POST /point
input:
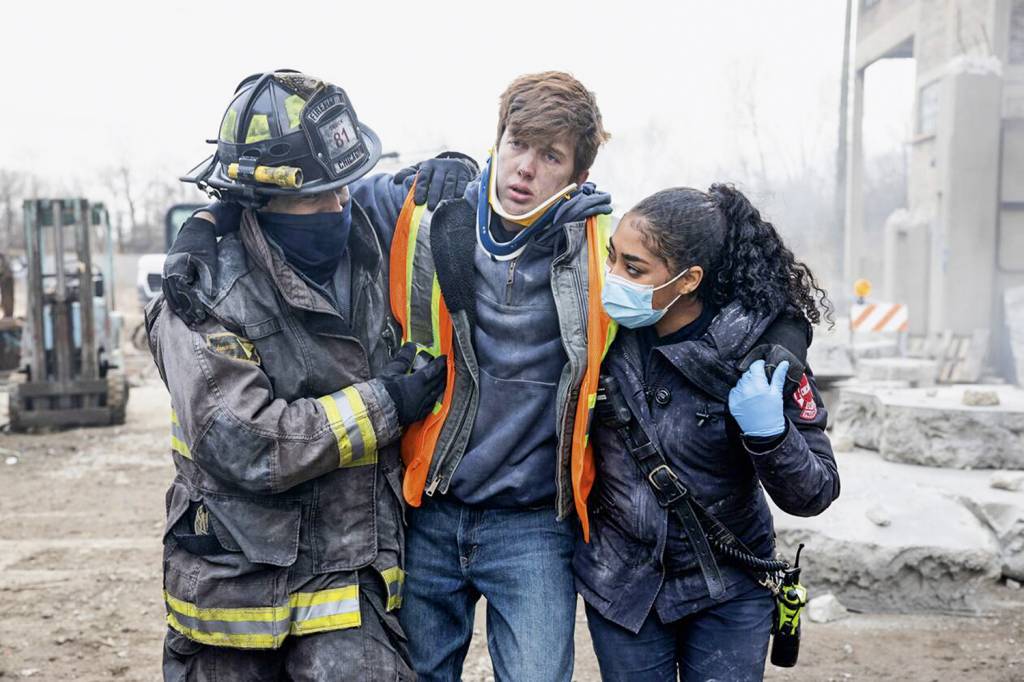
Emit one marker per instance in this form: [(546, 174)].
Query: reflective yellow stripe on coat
[(178, 442), (357, 441), (266, 627)]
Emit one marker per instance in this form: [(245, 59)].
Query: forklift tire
[(117, 395), (139, 340), (14, 408)]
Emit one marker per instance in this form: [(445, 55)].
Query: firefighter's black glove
[(188, 267), (181, 279), (415, 394), (192, 259), (443, 177), (401, 363), (227, 216)]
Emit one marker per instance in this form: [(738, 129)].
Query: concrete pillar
[(964, 231), (853, 239), (906, 278)]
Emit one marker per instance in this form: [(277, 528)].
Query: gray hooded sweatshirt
[(511, 457)]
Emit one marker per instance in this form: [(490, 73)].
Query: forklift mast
[(67, 354)]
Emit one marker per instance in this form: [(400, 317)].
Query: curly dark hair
[(742, 255)]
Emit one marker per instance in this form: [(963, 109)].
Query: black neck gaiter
[(312, 244)]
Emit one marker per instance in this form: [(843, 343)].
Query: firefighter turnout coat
[(288, 473)]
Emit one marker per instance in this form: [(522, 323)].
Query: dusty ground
[(80, 519)]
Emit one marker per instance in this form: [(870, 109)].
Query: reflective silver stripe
[(335, 608), (300, 613), (266, 627), (348, 418), (259, 627), (422, 285), (240, 627), (350, 422)]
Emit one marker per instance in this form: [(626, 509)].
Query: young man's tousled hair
[(550, 104)]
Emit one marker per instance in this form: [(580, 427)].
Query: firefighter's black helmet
[(287, 133)]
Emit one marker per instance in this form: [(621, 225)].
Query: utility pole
[(839, 193)]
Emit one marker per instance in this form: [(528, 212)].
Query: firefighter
[(283, 547), (504, 280)]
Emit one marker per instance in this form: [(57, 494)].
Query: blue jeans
[(519, 561), (726, 642)]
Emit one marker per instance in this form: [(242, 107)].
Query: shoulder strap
[(616, 412), (671, 494)]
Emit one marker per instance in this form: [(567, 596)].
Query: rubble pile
[(931, 514)]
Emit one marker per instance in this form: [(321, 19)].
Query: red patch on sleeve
[(804, 398)]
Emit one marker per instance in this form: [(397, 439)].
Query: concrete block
[(979, 398), (915, 371), (875, 346), (1013, 302), (830, 355), (933, 427), (859, 414), (939, 430), (826, 609), (1002, 480), (1006, 520), (949, 538)]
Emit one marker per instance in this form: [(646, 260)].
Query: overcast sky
[(680, 84)]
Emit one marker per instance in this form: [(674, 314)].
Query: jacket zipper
[(578, 282), (568, 411), (511, 279)]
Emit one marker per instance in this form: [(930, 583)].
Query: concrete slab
[(1013, 301), (830, 354), (933, 426), (948, 538), (915, 371), (858, 413), (875, 346)]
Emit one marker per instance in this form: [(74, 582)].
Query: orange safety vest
[(419, 307)]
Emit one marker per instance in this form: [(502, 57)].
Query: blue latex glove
[(756, 405)]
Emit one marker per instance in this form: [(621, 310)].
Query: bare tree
[(119, 180), (12, 185)]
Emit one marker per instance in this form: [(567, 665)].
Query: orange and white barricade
[(879, 317)]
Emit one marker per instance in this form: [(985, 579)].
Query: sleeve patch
[(804, 398), (233, 346)]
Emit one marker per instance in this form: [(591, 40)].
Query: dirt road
[(80, 519)]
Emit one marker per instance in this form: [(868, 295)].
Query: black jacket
[(622, 571)]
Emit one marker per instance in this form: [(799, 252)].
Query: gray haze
[(692, 92)]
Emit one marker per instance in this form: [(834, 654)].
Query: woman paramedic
[(715, 317)]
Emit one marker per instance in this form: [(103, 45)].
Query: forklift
[(70, 351)]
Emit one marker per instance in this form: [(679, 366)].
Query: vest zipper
[(436, 461)]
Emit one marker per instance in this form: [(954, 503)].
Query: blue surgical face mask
[(630, 304)]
